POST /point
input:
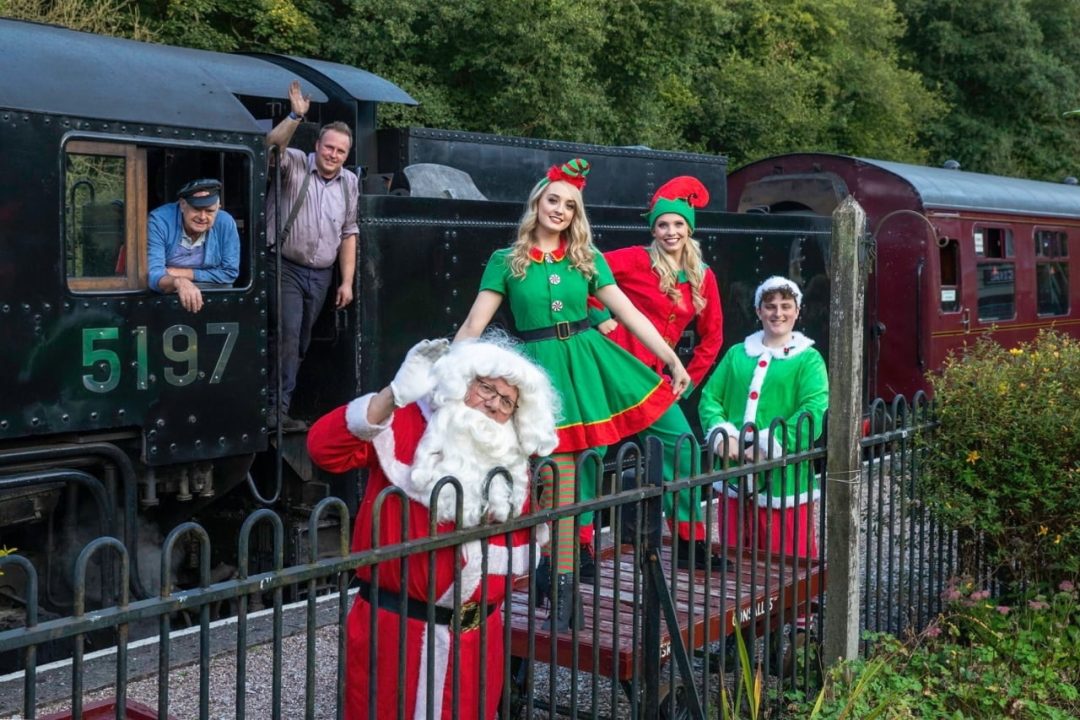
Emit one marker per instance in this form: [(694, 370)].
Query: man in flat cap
[(192, 243)]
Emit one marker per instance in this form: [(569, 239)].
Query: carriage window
[(996, 280), (104, 217), (949, 269), (993, 242), (1052, 272)]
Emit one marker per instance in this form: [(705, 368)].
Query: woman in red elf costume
[(673, 287)]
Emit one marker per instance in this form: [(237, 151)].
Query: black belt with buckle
[(561, 330), (418, 609)]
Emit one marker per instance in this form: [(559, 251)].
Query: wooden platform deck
[(707, 608)]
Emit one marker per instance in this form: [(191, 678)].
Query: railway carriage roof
[(54, 70), (961, 190)]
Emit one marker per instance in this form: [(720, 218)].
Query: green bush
[(1004, 467), (979, 660)]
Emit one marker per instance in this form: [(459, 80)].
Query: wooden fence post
[(843, 471)]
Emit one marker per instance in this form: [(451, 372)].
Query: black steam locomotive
[(124, 414)]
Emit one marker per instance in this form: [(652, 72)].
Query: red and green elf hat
[(678, 195), (572, 171)]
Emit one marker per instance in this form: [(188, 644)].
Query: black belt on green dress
[(418, 609), (561, 330)]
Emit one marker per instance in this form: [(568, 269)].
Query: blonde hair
[(668, 269), (579, 246)]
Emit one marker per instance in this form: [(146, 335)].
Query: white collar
[(755, 347)]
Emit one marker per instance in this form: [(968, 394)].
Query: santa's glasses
[(487, 392)]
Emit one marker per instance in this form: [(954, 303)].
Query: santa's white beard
[(467, 444)]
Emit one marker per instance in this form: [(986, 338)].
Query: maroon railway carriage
[(958, 253)]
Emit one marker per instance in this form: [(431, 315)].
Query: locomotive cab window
[(995, 273), (1052, 271), (125, 223)]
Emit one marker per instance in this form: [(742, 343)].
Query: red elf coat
[(635, 276)]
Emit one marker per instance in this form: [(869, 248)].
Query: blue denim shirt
[(165, 231)]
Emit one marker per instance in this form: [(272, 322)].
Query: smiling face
[(778, 315), (670, 232), (330, 152), (494, 397), (555, 208), (197, 220)]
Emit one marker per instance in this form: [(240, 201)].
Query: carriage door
[(949, 311)]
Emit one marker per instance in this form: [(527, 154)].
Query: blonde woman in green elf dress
[(547, 275)]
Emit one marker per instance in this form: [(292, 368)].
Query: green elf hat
[(572, 171), (679, 195)]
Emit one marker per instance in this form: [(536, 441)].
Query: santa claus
[(457, 411)]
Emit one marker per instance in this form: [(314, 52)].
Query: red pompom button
[(762, 364), (753, 395)]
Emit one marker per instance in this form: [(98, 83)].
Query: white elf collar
[(755, 347)]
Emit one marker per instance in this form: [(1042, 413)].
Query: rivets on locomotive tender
[(243, 438), (65, 418), (153, 449), (6, 308), (94, 416), (454, 259), (198, 443), (150, 435), (121, 413), (192, 419), (35, 421), (3, 424), (25, 307), (221, 441), (160, 422), (172, 447)]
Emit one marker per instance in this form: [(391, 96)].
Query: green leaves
[(1006, 460)]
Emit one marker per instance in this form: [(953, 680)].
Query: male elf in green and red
[(773, 373)]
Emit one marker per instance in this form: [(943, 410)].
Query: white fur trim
[(754, 346), (753, 393), (356, 418), (763, 498), (471, 573), (767, 443), (775, 283), (397, 472), (441, 658), (732, 432)]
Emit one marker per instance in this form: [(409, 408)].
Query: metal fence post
[(651, 540), (843, 473)]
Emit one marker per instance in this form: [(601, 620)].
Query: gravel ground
[(184, 683)]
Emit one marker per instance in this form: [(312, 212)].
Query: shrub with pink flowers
[(1004, 466), (980, 659)]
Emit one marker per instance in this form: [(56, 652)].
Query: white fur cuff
[(732, 432), (356, 419)]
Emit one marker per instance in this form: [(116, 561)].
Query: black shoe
[(543, 578), (700, 551), (566, 609), (586, 564)]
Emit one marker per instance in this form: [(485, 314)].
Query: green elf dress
[(757, 384), (607, 393)]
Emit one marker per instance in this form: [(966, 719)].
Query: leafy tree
[(1008, 69)]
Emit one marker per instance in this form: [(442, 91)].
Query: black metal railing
[(655, 639)]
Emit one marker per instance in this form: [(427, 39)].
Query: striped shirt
[(328, 215)]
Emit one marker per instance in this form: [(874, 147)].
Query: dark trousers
[(303, 292)]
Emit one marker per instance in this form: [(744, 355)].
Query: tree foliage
[(984, 81), (1008, 69)]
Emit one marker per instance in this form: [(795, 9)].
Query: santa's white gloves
[(414, 378)]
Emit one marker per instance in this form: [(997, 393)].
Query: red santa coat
[(635, 276), (388, 457)]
